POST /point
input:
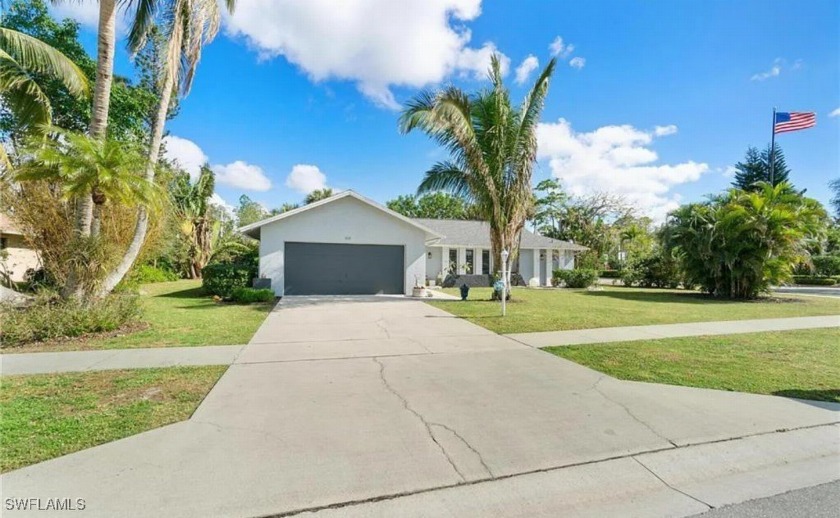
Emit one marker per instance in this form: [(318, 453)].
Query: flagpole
[(773, 148)]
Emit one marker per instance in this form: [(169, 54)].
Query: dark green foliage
[(756, 168), (436, 205), (130, 104), (48, 319), (834, 185), (739, 244), (611, 274), (814, 280), (578, 278), (249, 211), (657, 269), (826, 265), (318, 195), (251, 295), (222, 278)]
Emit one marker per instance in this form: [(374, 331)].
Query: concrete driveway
[(375, 406)]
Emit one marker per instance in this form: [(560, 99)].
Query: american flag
[(794, 121)]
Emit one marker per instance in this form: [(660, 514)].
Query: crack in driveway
[(633, 416), (419, 416), (642, 464)]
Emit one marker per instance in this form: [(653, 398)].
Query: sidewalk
[(630, 333), (41, 363)]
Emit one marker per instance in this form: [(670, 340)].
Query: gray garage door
[(339, 269)]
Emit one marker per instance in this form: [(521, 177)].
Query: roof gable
[(253, 230)]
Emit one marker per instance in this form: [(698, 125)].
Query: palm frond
[(33, 55)]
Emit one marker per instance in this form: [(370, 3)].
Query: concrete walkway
[(631, 333), (70, 361), (384, 407)]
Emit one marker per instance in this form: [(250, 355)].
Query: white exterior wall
[(434, 264), (526, 265), (343, 221)]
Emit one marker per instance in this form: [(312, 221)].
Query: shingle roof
[(477, 234)]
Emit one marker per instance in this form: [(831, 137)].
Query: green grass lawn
[(561, 309), (48, 415), (802, 364), (174, 314)]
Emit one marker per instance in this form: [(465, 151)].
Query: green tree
[(317, 195), (492, 150), (130, 104), (834, 185), (739, 244), (185, 27), (755, 168), (21, 58), (249, 211), (435, 205)]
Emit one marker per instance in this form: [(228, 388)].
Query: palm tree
[(22, 55), (187, 26), (492, 147), (317, 195), (87, 167)]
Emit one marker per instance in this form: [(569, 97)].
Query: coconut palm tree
[(492, 147), (21, 56), (186, 26)]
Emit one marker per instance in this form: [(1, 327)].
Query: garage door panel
[(343, 269)]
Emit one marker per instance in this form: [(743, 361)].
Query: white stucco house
[(348, 244)]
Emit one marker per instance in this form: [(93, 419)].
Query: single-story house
[(348, 244), (17, 256)]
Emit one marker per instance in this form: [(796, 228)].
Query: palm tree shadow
[(679, 297), (190, 293)]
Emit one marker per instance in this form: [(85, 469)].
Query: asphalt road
[(814, 502), (809, 290)]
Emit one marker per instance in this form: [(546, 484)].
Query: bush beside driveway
[(533, 310)]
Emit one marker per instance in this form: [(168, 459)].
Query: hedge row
[(815, 280)]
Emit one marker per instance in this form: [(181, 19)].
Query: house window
[(485, 262), (470, 261), (453, 260)]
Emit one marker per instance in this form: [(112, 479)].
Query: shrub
[(814, 280), (611, 274), (828, 265), (654, 270), (48, 319), (147, 273), (579, 278), (223, 278), (250, 295)]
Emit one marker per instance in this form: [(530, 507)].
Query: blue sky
[(664, 97)]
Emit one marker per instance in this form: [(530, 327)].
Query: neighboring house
[(16, 256), (348, 244)]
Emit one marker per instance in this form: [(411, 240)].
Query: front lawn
[(561, 309), (174, 314), (48, 415), (802, 364)]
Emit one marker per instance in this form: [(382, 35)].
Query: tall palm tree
[(492, 147), (317, 195), (21, 56), (186, 26)]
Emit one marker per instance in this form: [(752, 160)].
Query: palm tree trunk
[(142, 225), (106, 42)]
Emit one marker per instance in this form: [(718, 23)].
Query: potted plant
[(419, 289)]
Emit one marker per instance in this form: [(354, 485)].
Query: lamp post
[(505, 255)]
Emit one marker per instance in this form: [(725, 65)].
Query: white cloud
[(779, 65), (242, 175), (835, 113), (577, 62), (729, 172), (376, 44), (306, 178), (86, 12), (561, 49), (662, 131), (190, 157), (523, 71), (185, 153), (618, 160), (475, 63), (221, 203)]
